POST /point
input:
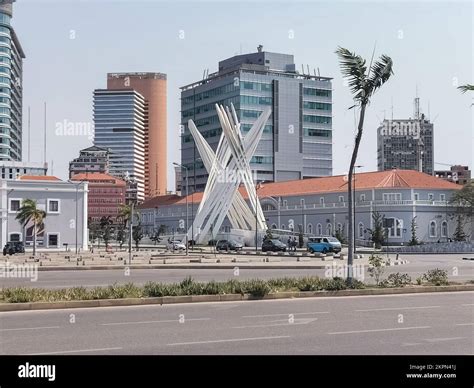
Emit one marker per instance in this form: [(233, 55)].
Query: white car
[(176, 246)]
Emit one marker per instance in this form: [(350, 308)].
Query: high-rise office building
[(152, 86), (92, 159), (297, 138), (406, 144), (120, 125), (11, 86)]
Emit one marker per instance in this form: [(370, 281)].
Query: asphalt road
[(440, 323), (458, 270)]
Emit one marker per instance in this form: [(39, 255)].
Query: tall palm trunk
[(34, 238), (350, 256)]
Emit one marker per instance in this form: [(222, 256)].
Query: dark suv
[(273, 245), (13, 247), (228, 245)]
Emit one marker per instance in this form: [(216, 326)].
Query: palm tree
[(363, 83), (125, 212), (29, 212), (466, 88)]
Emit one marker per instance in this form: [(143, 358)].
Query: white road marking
[(467, 304), (411, 344), (399, 308), (286, 323), (144, 322), (465, 324), (376, 330), (32, 328), (229, 340), (73, 351), (284, 315), (443, 339)]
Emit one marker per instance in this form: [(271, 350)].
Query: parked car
[(228, 245), (273, 245), (176, 245), (13, 247), (324, 244)]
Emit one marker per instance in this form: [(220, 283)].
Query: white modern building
[(15, 169), (65, 204), (120, 118)]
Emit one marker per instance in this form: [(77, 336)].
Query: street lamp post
[(354, 213), (257, 186), (8, 207), (187, 191)]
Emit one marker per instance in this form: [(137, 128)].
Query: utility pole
[(187, 191)]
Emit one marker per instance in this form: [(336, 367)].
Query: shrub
[(437, 277), (376, 268), (256, 287), (336, 284), (356, 284), (419, 280), (397, 280), (311, 283)]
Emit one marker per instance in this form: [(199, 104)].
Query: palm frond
[(466, 88), (353, 68), (380, 73)]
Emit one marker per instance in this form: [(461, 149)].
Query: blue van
[(324, 244)]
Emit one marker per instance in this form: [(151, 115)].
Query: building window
[(433, 228), (283, 226), (361, 230), (329, 229), (341, 198), (362, 198), (268, 207), (274, 226), (321, 200), (392, 196), (320, 230), (15, 205), (302, 202), (15, 237), (444, 229), (416, 196), (53, 206), (310, 228), (53, 240), (393, 226), (285, 203), (442, 197), (431, 196)]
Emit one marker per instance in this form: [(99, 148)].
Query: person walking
[(294, 243)]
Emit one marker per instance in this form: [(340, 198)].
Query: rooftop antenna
[(392, 107), (44, 156), (416, 112), (29, 134)]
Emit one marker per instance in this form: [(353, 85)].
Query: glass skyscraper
[(120, 119), (11, 87), (297, 139)]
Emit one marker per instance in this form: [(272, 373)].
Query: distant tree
[(300, 236), (121, 235), (29, 211), (377, 234), (155, 237), (340, 235), (105, 225), (413, 227), (268, 234), (137, 234), (463, 203)]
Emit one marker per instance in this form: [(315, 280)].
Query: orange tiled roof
[(97, 176), (38, 178), (407, 179)]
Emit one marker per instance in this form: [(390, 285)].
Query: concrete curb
[(226, 298)]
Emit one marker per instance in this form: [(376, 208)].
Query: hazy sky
[(72, 45)]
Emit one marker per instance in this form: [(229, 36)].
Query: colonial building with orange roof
[(318, 206)]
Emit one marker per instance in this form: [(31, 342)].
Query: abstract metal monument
[(228, 168)]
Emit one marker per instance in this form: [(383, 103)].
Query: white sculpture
[(228, 168)]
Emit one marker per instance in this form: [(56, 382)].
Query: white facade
[(65, 204)]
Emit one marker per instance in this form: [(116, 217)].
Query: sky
[(71, 45)]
